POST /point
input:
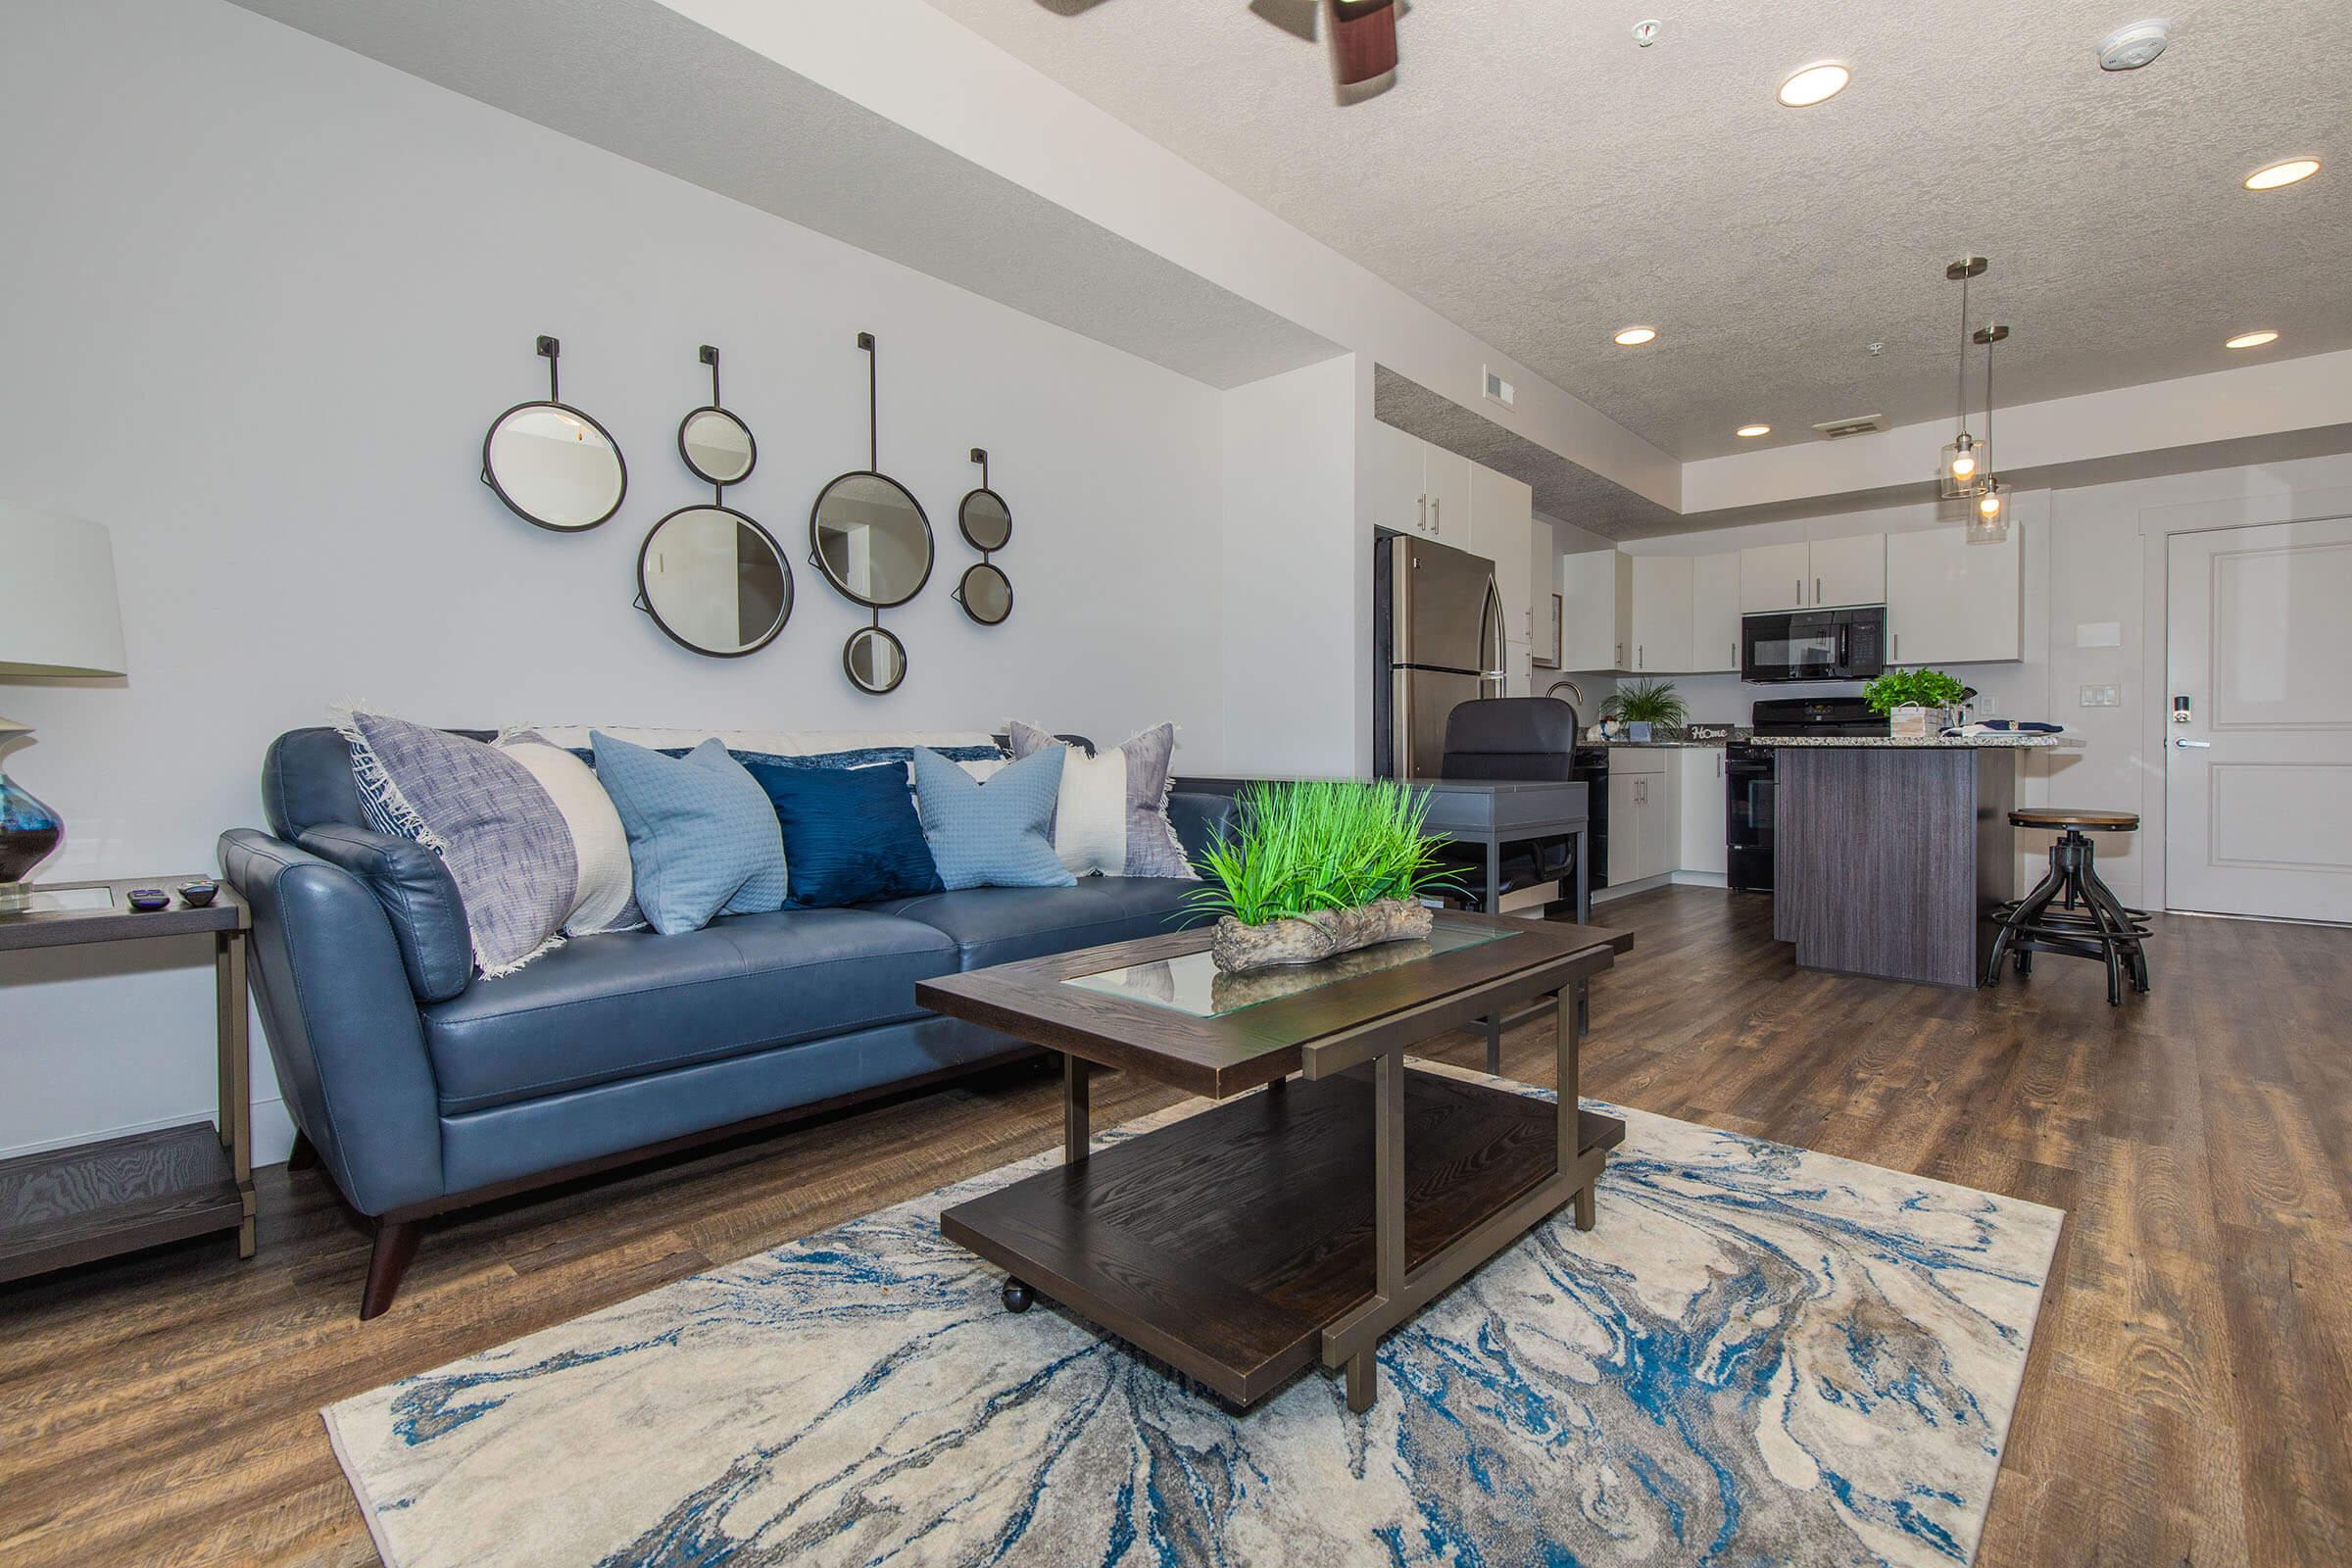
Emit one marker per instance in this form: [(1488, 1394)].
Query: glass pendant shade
[(1989, 518), (1967, 466)]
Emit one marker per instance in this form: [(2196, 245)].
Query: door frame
[(2157, 526)]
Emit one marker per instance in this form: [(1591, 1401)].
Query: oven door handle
[(1844, 657)]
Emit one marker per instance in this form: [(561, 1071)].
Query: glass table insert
[(1193, 984)]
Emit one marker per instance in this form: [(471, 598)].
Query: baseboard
[(273, 1132)]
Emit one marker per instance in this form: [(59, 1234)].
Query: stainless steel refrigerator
[(1438, 633)]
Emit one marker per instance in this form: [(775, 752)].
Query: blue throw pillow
[(850, 835), (704, 840), (996, 834)]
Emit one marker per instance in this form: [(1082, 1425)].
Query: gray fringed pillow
[(494, 825), (1112, 815)]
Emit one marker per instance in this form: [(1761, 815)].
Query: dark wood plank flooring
[(2187, 1402)]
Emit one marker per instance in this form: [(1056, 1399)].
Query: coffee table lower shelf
[(1226, 1245)]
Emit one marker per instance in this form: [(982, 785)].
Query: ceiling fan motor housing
[(1363, 39)]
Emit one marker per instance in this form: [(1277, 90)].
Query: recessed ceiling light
[(1632, 337), (1814, 85), (1753, 430), (2251, 340), (2293, 172)]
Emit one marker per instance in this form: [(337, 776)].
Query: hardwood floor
[(2186, 1400)]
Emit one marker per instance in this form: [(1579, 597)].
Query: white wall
[(1296, 585), (259, 299)]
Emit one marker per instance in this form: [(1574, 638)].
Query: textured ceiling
[(636, 78), (1566, 491), (1540, 181)]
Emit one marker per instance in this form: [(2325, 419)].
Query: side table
[(72, 1205)]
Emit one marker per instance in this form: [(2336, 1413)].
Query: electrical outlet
[(2100, 696)]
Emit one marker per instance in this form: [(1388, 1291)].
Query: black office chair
[(1513, 738)]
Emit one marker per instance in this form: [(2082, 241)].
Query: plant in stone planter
[(1309, 871), (1909, 697), (1644, 704)]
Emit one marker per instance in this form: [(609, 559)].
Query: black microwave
[(1814, 645)]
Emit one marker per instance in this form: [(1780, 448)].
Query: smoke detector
[(1837, 429), (2130, 48)]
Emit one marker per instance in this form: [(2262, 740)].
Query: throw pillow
[(494, 825), (598, 840), (704, 840), (850, 835), (993, 834), (1112, 816)]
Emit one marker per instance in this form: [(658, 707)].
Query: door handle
[(1817, 590), (2199, 745), (1637, 656), (1899, 647), (1423, 524), (1801, 593), (1436, 516)]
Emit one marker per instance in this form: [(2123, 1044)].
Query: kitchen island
[(1889, 853)]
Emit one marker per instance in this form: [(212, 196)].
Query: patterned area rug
[(1762, 1355)]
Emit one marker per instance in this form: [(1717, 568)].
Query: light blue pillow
[(704, 840), (997, 833)]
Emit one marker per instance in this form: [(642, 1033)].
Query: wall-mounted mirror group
[(712, 579), (871, 539), (986, 523), (874, 660), (552, 465)]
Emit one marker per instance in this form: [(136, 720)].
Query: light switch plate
[(2100, 696)]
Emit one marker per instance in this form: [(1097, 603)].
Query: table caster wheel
[(1018, 1296)]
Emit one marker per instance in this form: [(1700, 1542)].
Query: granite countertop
[(1740, 733), (2012, 741)]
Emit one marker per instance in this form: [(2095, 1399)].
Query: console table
[(116, 1194)]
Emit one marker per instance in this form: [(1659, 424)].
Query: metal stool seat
[(2090, 921)]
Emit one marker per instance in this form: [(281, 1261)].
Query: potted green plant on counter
[(1645, 705), (1917, 702), (1309, 871)]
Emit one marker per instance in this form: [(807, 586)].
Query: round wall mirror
[(876, 661), (986, 593), (555, 466), (985, 519), (714, 581), (718, 446), (871, 540)]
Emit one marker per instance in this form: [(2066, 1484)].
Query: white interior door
[(2258, 774)]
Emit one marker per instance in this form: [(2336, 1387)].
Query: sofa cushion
[(1002, 925), (850, 835), (703, 839), (995, 833), (628, 1003)]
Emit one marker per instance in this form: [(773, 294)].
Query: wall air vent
[(1836, 430), (1500, 391)]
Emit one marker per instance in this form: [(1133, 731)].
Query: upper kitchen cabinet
[(1596, 600), (1417, 488), (1850, 571), (1775, 577), (1715, 613), (1502, 525), (1949, 601), (1660, 635), (1447, 477)]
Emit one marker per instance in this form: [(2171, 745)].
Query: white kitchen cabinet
[(1589, 592), (1775, 577), (1701, 807), (1400, 495), (1715, 613), (1644, 819), (1445, 477), (1660, 634), (1849, 572), (1949, 601), (1501, 523)]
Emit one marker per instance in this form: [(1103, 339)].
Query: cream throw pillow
[(605, 901)]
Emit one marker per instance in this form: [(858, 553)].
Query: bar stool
[(2088, 922)]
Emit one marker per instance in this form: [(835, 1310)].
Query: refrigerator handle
[(1497, 670)]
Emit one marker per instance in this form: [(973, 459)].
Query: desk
[(73, 1205)]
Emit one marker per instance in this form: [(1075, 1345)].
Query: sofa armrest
[(341, 1021), (1200, 819)]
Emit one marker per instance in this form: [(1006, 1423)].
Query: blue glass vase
[(28, 832)]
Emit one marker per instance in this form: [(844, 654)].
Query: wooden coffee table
[(1254, 1239)]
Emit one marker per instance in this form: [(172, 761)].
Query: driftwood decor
[(1314, 937)]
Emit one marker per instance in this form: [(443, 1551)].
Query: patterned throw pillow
[(599, 842), (494, 825), (704, 840), (1112, 816), (850, 835), (992, 835)]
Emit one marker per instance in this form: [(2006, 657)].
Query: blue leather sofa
[(421, 1088)]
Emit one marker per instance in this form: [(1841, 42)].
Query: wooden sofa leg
[(305, 1156), (395, 1245)]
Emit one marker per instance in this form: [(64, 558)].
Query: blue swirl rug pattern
[(1762, 1356)]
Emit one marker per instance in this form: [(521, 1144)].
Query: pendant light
[(1967, 461), (1988, 523)]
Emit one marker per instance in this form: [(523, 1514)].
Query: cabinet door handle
[(1637, 656), (1423, 524), (1817, 590), (1436, 516), (1899, 647), (1800, 592)]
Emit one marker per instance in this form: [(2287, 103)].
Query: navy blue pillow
[(850, 835)]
